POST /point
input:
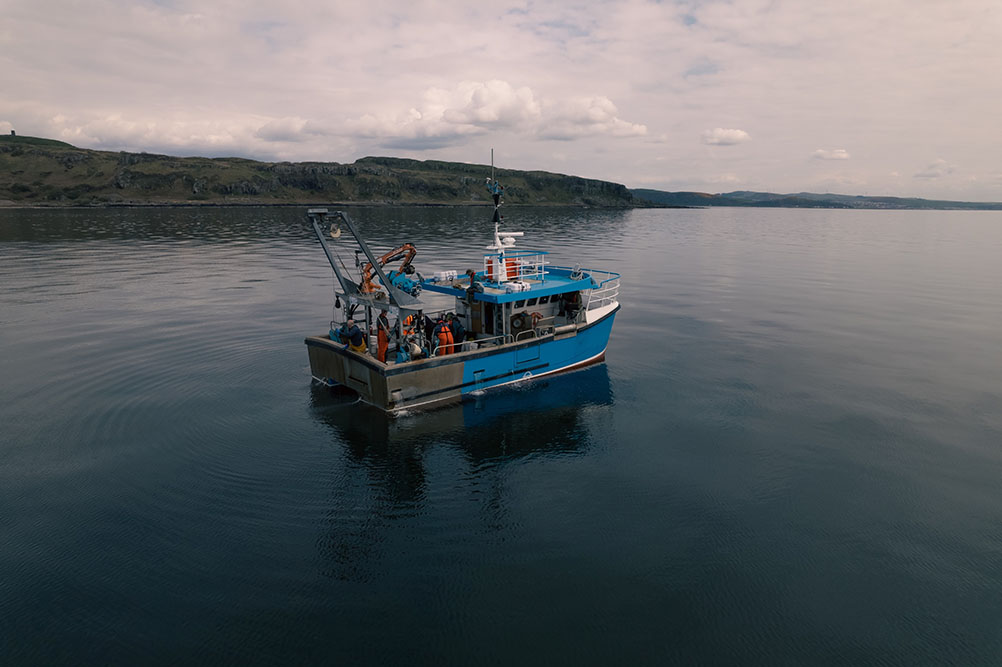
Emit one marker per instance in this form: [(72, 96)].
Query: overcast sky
[(899, 97)]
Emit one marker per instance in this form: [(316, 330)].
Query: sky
[(874, 97)]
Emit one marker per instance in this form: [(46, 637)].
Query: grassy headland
[(37, 171)]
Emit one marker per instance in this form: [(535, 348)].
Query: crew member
[(428, 326), (382, 335), (571, 304), (496, 190), (458, 331), (443, 333), (351, 333), (475, 285)]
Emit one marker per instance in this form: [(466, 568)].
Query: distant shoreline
[(45, 173), (14, 205), (210, 204)]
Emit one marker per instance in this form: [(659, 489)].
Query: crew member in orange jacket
[(382, 336), (444, 335)]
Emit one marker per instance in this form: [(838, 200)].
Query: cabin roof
[(556, 281)]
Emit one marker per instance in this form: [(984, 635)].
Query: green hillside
[(46, 172)]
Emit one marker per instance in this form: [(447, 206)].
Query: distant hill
[(37, 171), (801, 200)]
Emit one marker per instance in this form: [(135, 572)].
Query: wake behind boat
[(517, 318)]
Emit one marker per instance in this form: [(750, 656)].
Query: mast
[(507, 241)]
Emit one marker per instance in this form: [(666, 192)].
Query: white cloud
[(836, 154), (720, 136), (472, 108), (571, 119), (283, 129), (183, 135), (937, 169), (491, 104)]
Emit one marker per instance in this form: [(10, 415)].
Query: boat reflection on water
[(538, 417), (391, 463)]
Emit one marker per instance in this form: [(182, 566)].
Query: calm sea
[(792, 455)]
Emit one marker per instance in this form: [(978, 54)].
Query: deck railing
[(607, 292), (517, 265), (480, 342), (605, 288)]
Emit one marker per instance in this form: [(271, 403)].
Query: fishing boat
[(514, 318)]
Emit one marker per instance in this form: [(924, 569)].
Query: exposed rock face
[(245, 188), (129, 159), (70, 159)]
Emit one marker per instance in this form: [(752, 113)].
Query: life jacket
[(407, 327), (444, 335)]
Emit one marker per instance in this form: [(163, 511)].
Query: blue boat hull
[(550, 354), (449, 378)]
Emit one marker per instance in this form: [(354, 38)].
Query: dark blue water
[(793, 454)]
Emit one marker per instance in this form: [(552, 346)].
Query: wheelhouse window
[(520, 303)]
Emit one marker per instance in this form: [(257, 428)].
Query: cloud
[(283, 129), (702, 67), (836, 154), (719, 136), (571, 119), (491, 104), (415, 129), (446, 116), (938, 169), (183, 135)]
